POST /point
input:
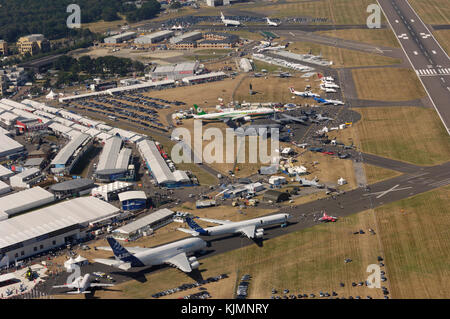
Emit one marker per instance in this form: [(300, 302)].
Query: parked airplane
[(327, 102), (323, 118), (303, 94), (325, 78), (81, 284), (327, 90), (251, 228), (229, 22), (289, 119), (329, 85), (271, 23), (179, 27), (245, 115), (256, 130), (326, 218), (174, 254), (306, 182), (285, 75)]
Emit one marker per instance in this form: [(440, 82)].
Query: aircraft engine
[(259, 233), (247, 118), (195, 265), (192, 259)]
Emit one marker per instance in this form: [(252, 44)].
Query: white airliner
[(174, 254), (303, 94), (179, 27), (330, 85), (327, 90), (229, 22), (233, 115), (271, 23), (251, 228), (327, 102), (81, 284)]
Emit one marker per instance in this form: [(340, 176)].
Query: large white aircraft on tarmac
[(229, 22), (303, 94), (174, 254), (328, 102), (234, 115), (81, 284), (271, 23), (327, 90), (251, 228)]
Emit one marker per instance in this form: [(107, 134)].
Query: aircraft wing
[(216, 221), (180, 261), (248, 231), (192, 232), (237, 117), (70, 286)]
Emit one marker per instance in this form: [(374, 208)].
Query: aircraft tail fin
[(291, 89), (194, 226), (124, 255), (198, 110)]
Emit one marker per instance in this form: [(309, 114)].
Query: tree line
[(22, 17)]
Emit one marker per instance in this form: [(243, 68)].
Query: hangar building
[(114, 161), (144, 225), (133, 200), (22, 201), (53, 226)]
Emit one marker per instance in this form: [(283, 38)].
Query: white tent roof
[(51, 96)]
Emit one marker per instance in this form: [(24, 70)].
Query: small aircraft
[(271, 23), (251, 228), (289, 119), (320, 117), (229, 22), (81, 284), (328, 102), (284, 75), (179, 27), (327, 90), (330, 85), (303, 94), (326, 218)]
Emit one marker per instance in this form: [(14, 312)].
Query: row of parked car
[(189, 286)]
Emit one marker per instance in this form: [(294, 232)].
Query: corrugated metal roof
[(123, 159), (132, 195), (8, 145), (110, 153), (144, 221), (67, 151), (24, 198), (157, 164), (81, 210)]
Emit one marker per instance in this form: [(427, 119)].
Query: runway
[(428, 59)]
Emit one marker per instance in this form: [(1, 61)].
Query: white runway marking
[(392, 189)]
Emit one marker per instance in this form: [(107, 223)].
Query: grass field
[(342, 57), (335, 11), (411, 134), (375, 174), (387, 84), (432, 11), (382, 37), (443, 37), (416, 244)]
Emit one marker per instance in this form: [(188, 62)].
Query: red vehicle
[(328, 153), (325, 218)]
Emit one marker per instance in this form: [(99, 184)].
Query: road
[(428, 59)]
